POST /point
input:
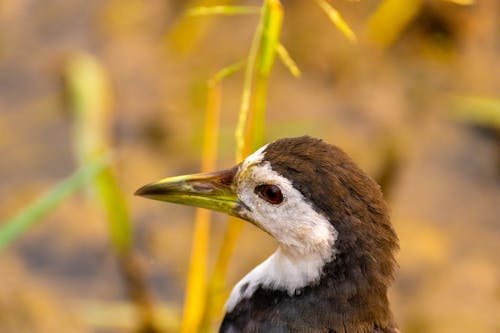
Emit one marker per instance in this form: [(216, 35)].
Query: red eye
[(270, 193)]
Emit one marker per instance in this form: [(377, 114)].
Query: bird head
[(305, 193), (329, 218)]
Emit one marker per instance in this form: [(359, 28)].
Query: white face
[(305, 236), (289, 218)]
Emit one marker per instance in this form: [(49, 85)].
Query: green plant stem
[(91, 98), (247, 91), (44, 205)]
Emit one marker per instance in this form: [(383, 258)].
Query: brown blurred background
[(409, 109)]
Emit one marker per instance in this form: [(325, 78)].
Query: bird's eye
[(270, 193)]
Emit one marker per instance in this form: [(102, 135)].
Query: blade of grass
[(90, 98), (222, 10), (288, 61), (91, 101), (225, 72), (45, 204), (272, 20), (116, 210), (337, 20), (272, 23), (462, 2), (479, 110), (187, 32), (389, 20), (260, 61), (247, 92)]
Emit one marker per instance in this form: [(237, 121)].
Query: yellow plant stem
[(391, 17), (250, 128), (249, 134), (288, 61), (389, 20), (462, 2), (217, 292), (254, 133), (194, 305), (337, 20), (222, 10), (247, 93), (269, 44), (187, 32)]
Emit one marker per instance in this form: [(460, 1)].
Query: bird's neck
[(289, 271), (284, 270), (351, 286), (357, 292)]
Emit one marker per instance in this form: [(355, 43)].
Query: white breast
[(280, 272)]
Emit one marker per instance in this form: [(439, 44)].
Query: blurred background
[(416, 102)]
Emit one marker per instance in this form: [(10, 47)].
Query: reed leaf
[(462, 2), (391, 17), (249, 132), (337, 20), (48, 202), (477, 110), (288, 61), (389, 20), (222, 10), (187, 32), (247, 92), (90, 98)]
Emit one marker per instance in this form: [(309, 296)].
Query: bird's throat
[(284, 270)]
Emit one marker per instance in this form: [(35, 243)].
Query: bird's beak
[(212, 190)]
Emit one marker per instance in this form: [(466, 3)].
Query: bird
[(336, 244)]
